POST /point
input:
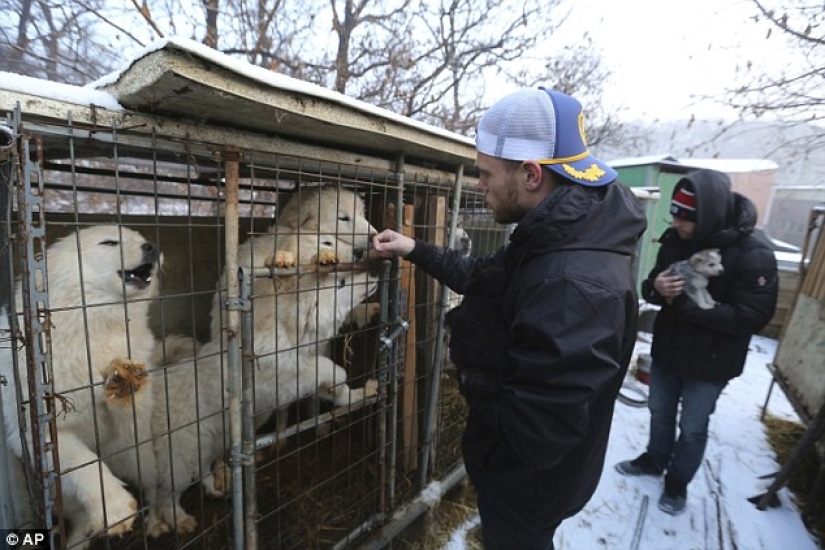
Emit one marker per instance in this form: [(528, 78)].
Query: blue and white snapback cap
[(544, 126)]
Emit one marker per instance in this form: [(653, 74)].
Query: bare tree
[(789, 100), (430, 60), (467, 42), (52, 40), (577, 70), (427, 60), (798, 91), (212, 9), (269, 33), (794, 95)]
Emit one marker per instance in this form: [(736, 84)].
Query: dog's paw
[(186, 523), (343, 396), (327, 257), (120, 515), (370, 388), (220, 482), (281, 259), (123, 379), (156, 526)]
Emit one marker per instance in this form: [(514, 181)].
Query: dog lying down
[(695, 271)]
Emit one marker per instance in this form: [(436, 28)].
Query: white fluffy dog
[(100, 280), (331, 214), (695, 271), (294, 319)]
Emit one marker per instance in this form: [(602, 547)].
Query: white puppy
[(293, 321), (100, 280), (695, 271), (329, 213)]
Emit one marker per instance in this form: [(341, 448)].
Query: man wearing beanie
[(697, 351), (544, 334)]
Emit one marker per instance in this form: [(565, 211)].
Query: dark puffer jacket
[(712, 344), (543, 352)]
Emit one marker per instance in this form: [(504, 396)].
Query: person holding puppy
[(547, 325), (696, 351)]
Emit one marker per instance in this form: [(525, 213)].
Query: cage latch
[(239, 304), (388, 340)]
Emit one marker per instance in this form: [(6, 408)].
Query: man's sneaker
[(674, 497), (643, 465)]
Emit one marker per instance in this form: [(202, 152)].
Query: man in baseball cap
[(544, 126), (544, 334)]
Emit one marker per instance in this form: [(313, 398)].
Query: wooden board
[(800, 356), (409, 418)]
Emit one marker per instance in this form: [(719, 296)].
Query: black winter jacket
[(712, 344), (542, 339)]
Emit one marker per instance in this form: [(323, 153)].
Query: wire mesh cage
[(198, 348)]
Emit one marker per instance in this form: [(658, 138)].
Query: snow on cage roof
[(68, 93), (269, 78), (182, 79)]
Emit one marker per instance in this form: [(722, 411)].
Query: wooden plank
[(798, 361), (436, 233), (409, 417), (814, 283)]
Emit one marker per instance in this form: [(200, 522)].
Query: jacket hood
[(722, 216), (608, 218)]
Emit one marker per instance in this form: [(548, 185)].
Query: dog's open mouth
[(140, 277)]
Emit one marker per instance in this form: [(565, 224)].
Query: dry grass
[(783, 436), (436, 527)]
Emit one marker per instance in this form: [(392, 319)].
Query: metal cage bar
[(36, 334)]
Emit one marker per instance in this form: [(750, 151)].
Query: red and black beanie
[(683, 205)]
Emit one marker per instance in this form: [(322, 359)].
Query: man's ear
[(534, 172)]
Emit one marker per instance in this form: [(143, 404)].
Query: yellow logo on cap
[(592, 173), (581, 128)]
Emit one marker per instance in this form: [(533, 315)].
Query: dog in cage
[(294, 319), (696, 271), (101, 280), (333, 214)]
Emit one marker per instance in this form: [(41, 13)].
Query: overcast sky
[(664, 52)]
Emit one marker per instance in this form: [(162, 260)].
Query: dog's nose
[(150, 252), (358, 254)]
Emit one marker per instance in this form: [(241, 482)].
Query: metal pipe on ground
[(407, 514)]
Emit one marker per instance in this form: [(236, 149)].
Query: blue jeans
[(680, 457)]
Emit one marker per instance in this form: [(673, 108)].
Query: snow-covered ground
[(719, 515)]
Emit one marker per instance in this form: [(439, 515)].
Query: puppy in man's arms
[(696, 271)]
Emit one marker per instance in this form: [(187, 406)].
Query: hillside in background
[(800, 162)]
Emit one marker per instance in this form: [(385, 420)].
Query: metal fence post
[(37, 337)]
